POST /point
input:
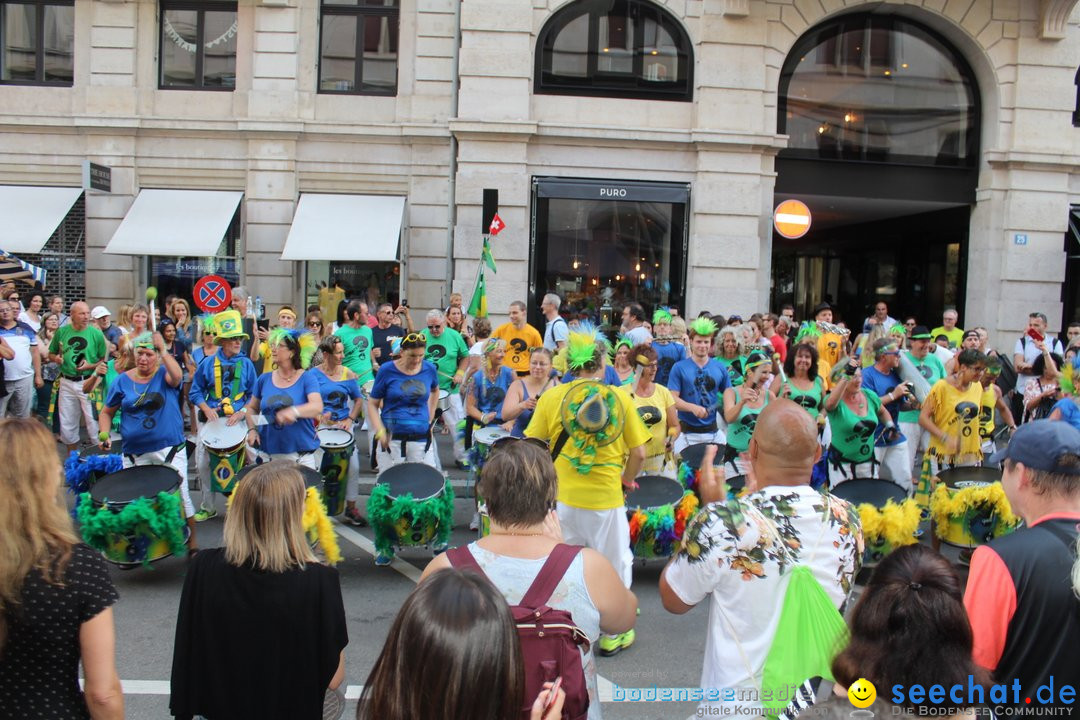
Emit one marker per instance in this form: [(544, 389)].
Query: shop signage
[(629, 190), (96, 177)]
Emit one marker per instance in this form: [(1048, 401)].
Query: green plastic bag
[(810, 633)]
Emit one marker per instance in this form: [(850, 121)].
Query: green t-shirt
[(853, 436), (357, 344), (739, 432), (446, 351), (79, 346), (930, 368)]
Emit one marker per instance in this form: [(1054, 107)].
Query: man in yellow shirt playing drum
[(591, 427)]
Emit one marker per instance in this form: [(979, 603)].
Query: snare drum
[(889, 519), (690, 463), (444, 400), (482, 440), (135, 516), (411, 504), (969, 507), (658, 512), (228, 452), (337, 446)]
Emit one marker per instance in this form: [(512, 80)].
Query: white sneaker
[(474, 524)]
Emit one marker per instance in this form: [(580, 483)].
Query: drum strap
[(234, 393), (168, 457)]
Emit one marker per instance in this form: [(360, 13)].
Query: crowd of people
[(788, 410)]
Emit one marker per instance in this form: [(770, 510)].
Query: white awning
[(345, 227), (186, 223), (30, 215)]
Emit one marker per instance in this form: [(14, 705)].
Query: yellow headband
[(287, 311), (642, 360)]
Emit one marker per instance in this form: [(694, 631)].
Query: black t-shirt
[(381, 339), (253, 644), (39, 663)]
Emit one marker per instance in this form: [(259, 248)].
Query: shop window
[(178, 275), (37, 42), (615, 48), (198, 45), (600, 244), (63, 256), (330, 282), (358, 47), (878, 88)]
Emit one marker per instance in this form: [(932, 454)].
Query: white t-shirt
[(477, 349), (1026, 346), (737, 552), (555, 332), (24, 318), (943, 354), (21, 338)]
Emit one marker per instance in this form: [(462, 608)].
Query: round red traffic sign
[(792, 219), (212, 294)]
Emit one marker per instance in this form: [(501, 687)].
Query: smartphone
[(264, 324), (1035, 335), (553, 693), (404, 303)]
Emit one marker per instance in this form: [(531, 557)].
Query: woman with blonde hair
[(288, 651), (123, 317), (55, 593)]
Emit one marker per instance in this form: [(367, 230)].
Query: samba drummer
[(521, 398), (950, 414), (656, 408), (742, 405), (342, 406), (854, 414), (401, 405), (221, 387), (151, 425), (446, 349), (487, 390), (697, 384), (289, 399)]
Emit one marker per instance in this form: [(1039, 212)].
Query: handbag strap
[(555, 567)]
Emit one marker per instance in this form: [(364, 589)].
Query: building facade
[(638, 147)]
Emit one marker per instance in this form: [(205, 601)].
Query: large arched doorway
[(883, 119)]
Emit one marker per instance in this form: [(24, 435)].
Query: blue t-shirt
[(113, 334), (338, 396), (405, 397), (882, 385), (298, 437), (489, 395), (610, 376), (1070, 412), (198, 355), (150, 417), (702, 386), (669, 354), (238, 368)]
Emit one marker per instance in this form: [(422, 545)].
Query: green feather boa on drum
[(394, 517), (161, 515)]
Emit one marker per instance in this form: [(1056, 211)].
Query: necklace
[(281, 374), (536, 534)]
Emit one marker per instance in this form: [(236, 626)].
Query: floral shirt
[(740, 552)]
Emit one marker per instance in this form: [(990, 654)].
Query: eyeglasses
[(314, 323), (505, 442), (434, 327)]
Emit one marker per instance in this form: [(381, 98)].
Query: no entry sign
[(792, 219), (212, 294)]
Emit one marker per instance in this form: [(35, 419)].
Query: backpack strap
[(462, 559), (558, 562)]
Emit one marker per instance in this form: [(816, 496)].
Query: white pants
[(414, 452), (917, 439), (686, 439), (850, 471), (70, 402), (19, 398), (307, 459), (179, 463), (451, 417), (606, 531), (894, 463)]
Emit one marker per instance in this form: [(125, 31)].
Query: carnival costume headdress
[(703, 327), (303, 338)]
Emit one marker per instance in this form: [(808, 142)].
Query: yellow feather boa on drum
[(969, 503), (893, 525)]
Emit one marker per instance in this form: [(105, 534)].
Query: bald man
[(738, 551), (77, 347)]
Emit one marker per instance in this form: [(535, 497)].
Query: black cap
[(920, 332), (819, 307), (1040, 444)]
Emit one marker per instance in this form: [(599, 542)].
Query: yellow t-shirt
[(956, 335), (957, 413), (653, 412), (601, 487), (518, 343)]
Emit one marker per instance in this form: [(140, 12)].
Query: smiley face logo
[(862, 693)]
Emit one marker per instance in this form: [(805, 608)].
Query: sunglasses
[(314, 323), (413, 339), (434, 327), (505, 442)]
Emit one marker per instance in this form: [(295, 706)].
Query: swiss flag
[(497, 225)]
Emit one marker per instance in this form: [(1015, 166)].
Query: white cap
[(99, 312)]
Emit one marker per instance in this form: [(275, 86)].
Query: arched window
[(615, 48), (879, 88)]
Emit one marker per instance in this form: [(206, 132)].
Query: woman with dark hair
[(802, 384), (56, 597), (452, 654), (32, 314), (854, 414), (908, 628), (742, 405), (260, 632), (342, 406), (289, 400), (1043, 389), (401, 405)]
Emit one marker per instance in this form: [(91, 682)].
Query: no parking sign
[(212, 294)]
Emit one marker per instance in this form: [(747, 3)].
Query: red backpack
[(550, 640)]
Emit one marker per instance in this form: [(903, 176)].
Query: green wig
[(662, 315), (703, 327), (145, 341), (581, 345), (808, 332)]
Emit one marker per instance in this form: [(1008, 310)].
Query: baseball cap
[(1039, 444), (920, 332), (99, 312), (970, 333)]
